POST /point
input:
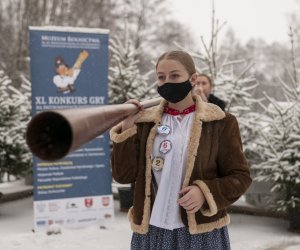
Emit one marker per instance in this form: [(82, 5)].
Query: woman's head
[(176, 74), (203, 84), (181, 57), (207, 78)]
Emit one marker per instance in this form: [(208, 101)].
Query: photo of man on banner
[(65, 77)]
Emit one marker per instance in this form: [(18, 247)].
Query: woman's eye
[(161, 78), (174, 76)]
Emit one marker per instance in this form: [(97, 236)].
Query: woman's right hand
[(130, 120), (199, 91)]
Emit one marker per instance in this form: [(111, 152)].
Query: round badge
[(158, 163), (163, 129), (165, 146)]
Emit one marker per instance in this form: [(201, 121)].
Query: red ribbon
[(172, 111)]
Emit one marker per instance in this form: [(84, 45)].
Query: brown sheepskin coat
[(216, 164)]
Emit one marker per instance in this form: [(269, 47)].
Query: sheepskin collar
[(205, 112)]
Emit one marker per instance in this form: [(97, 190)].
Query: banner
[(69, 69)]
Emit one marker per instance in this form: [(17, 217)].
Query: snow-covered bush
[(15, 158)]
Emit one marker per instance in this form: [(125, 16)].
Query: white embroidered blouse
[(166, 212)]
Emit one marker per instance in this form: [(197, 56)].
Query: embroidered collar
[(172, 111)]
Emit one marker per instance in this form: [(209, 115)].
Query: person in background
[(203, 87), (186, 159)]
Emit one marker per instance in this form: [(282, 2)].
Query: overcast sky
[(248, 18)]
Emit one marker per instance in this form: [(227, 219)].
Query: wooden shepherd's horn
[(53, 134)]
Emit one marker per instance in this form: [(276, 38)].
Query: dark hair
[(207, 77), (59, 60), (180, 56)]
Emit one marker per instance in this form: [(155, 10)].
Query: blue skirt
[(159, 238)]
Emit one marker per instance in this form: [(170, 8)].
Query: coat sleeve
[(124, 157), (233, 178)]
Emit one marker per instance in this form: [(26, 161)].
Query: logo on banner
[(53, 206), (107, 216), (66, 76), (60, 222), (71, 205), (88, 202), (105, 201), (41, 207), (41, 223)]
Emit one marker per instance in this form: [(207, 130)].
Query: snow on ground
[(14, 186), (16, 222)]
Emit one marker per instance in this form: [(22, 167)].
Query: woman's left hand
[(192, 199)]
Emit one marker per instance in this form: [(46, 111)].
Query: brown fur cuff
[(212, 206), (208, 227), (117, 136)]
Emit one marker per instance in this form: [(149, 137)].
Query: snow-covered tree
[(236, 89), (15, 158), (233, 83), (125, 80), (281, 145)]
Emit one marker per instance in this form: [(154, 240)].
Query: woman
[(185, 157), (203, 87)]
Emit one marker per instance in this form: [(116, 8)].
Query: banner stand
[(69, 69)]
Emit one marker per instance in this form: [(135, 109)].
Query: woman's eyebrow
[(173, 71)]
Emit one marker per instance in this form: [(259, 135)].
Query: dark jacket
[(216, 164), (217, 101)]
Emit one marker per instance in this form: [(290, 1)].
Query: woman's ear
[(193, 79)]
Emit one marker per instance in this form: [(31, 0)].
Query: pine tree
[(15, 158), (125, 80), (234, 84), (281, 144), (236, 88)]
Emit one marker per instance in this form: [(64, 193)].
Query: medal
[(158, 163), (165, 146), (163, 129)]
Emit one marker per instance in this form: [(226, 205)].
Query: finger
[(203, 96), (184, 199), (184, 190), (136, 103), (199, 92), (131, 101), (185, 194), (187, 201), (186, 204), (190, 205), (194, 210)]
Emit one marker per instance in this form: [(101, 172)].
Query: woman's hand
[(192, 199), (130, 120), (199, 91)]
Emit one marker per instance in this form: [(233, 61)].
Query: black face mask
[(174, 92)]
